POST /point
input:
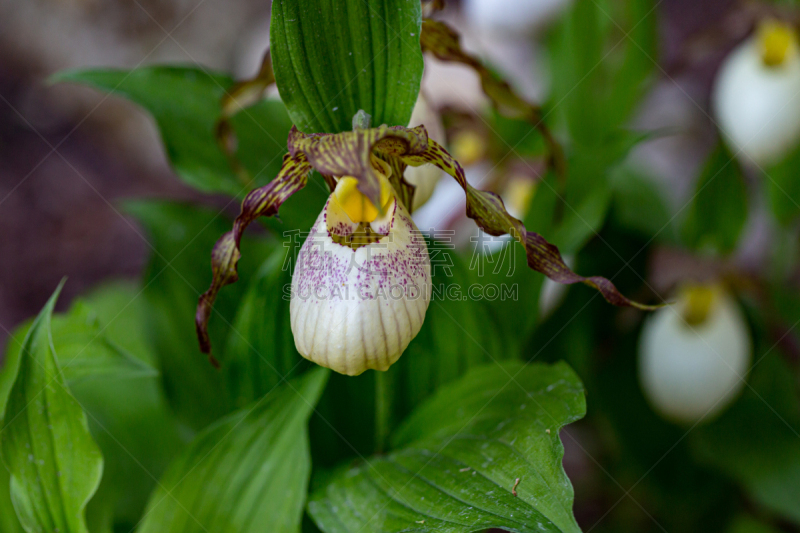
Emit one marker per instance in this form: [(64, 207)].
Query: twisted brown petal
[(488, 211), (443, 42), (263, 201)]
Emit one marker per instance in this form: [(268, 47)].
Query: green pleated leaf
[(459, 456), (99, 346), (334, 57), (55, 465), (247, 473), (718, 210), (185, 103)]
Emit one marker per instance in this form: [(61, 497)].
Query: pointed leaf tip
[(54, 463)]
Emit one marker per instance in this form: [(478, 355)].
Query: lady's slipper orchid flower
[(693, 356), (366, 223), (362, 281), (756, 94)]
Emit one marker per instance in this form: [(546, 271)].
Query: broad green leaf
[(121, 309), (95, 342), (458, 458), (83, 343), (129, 418), (182, 237), (185, 103), (11, 361), (246, 473), (634, 31), (83, 350), (334, 57), (577, 66), (132, 424), (718, 210), (756, 441), (9, 523), (260, 352), (55, 465), (783, 188), (602, 56)]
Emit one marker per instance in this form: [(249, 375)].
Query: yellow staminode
[(778, 42), (700, 300), (355, 204)]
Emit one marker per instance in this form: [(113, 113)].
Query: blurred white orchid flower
[(694, 355), (756, 97)]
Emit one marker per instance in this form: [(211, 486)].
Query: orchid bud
[(756, 94), (694, 355), (362, 281)]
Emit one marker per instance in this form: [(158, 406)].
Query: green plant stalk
[(383, 409)]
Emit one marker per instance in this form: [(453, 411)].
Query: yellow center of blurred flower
[(699, 301), (778, 42), (519, 191), (468, 147), (357, 206)]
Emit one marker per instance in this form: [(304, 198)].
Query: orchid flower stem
[(383, 409), (557, 159)]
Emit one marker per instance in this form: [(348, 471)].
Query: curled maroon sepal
[(263, 201), (487, 210)]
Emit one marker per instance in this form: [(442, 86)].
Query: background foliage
[(113, 422)]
